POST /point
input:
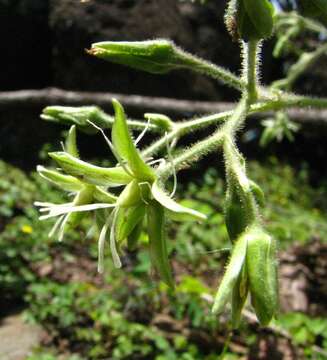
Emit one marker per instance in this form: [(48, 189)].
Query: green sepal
[(130, 196), (125, 147), (134, 236), (157, 242), (262, 273), (127, 220), (231, 275), (70, 143), (153, 56), (236, 216), (239, 296), (173, 206), (104, 196), (90, 173), (258, 193), (64, 182)]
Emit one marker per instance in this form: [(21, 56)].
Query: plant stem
[(194, 153), (251, 50), (216, 72)]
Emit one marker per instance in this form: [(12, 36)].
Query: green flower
[(142, 195)]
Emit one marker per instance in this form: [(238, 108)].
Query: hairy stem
[(214, 71)]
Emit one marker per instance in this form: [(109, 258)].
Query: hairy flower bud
[(154, 56), (262, 273), (250, 19)]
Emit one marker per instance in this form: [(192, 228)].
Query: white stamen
[(102, 239), (55, 226), (140, 137), (69, 209), (114, 252), (62, 228)]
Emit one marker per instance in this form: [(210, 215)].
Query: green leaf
[(173, 206), (231, 275), (124, 145), (65, 182), (157, 241), (90, 173)]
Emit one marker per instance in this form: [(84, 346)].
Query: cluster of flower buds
[(253, 266), (142, 199), (250, 19)]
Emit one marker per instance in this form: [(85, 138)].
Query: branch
[(179, 108)]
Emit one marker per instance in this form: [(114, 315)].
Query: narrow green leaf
[(157, 242), (125, 147), (90, 173), (172, 205)]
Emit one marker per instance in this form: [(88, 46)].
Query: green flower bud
[(162, 121), (157, 241), (250, 19), (262, 273), (78, 116), (154, 56)]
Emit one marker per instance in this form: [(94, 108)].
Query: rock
[(17, 338)]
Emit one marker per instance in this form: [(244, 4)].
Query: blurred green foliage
[(125, 314)]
